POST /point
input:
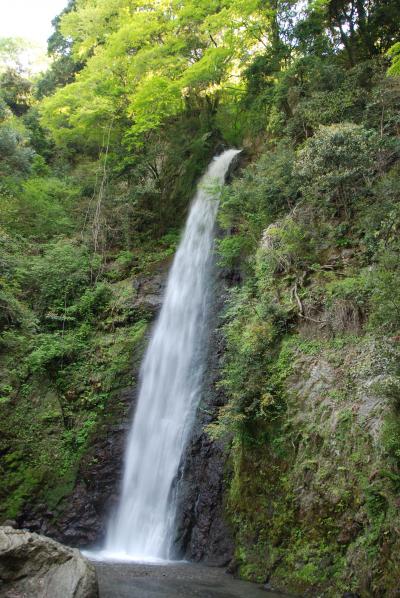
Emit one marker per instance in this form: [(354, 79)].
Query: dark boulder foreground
[(36, 567)]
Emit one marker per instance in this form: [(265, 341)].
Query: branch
[(298, 301), (213, 41)]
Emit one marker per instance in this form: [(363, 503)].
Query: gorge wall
[(80, 517)]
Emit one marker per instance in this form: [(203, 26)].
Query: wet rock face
[(82, 517), (202, 532), (35, 566), (149, 290)]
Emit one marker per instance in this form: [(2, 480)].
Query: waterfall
[(170, 383)]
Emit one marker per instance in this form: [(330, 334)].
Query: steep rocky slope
[(315, 503)]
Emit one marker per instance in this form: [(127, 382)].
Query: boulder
[(33, 566)]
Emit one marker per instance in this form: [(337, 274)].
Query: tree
[(15, 90), (142, 54), (63, 67), (394, 53), (10, 53), (15, 154)]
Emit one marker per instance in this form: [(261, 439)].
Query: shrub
[(337, 164), (232, 249), (56, 348), (57, 278), (40, 208), (267, 189), (15, 156), (384, 284), (286, 245)]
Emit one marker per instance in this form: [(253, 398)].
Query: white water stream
[(171, 372)]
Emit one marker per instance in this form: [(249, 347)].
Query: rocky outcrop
[(315, 501), (32, 566), (80, 520), (150, 290), (202, 531)]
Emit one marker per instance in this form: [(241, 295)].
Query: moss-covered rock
[(64, 414), (314, 498)]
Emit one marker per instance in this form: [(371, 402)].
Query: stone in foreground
[(37, 567)]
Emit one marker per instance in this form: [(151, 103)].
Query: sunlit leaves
[(156, 99), (143, 59), (394, 54)]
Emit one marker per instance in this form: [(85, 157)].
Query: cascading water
[(142, 527)]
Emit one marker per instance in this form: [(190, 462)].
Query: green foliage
[(15, 91), (391, 439), (286, 246), (10, 50), (98, 160), (15, 155), (149, 58), (165, 99), (374, 291), (232, 249), (337, 164), (13, 313), (92, 303), (384, 281), (54, 349), (251, 203), (40, 207), (59, 277), (254, 324), (63, 67), (311, 232), (394, 53), (350, 289)]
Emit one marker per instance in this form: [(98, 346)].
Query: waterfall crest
[(170, 380)]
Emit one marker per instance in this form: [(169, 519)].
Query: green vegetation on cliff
[(98, 159), (311, 365)]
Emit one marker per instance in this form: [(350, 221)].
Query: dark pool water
[(177, 580)]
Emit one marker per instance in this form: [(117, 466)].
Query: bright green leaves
[(91, 24), (143, 60), (394, 54), (157, 99), (58, 277), (77, 115), (209, 70), (38, 208)]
